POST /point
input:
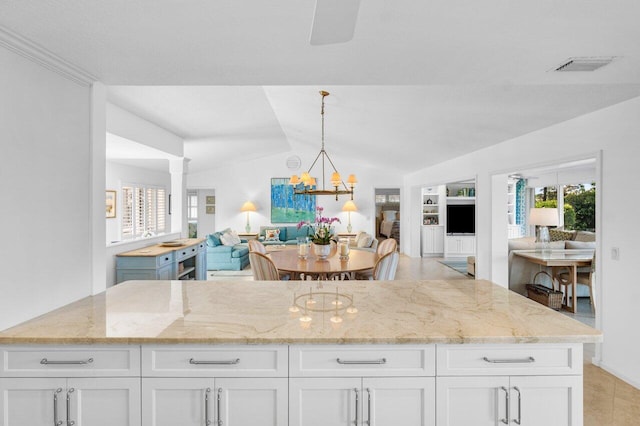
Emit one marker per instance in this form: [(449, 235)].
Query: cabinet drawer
[(518, 359), (186, 252), (365, 360), (221, 361), (69, 361)]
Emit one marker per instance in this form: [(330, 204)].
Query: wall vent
[(584, 64)]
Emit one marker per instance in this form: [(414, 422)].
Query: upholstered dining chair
[(584, 278), (386, 266), (386, 246), (257, 246), (263, 267)]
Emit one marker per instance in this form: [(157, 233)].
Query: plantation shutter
[(160, 210), (127, 212), (144, 209)]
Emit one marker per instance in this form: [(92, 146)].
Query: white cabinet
[(79, 401), (459, 245), (230, 385), (229, 401), (362, 401), (527, 385), (432, 240), (522, 400), (362, 385)]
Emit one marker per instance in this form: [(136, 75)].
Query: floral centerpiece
[(321, 231)]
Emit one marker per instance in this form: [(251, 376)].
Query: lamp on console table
[(248, 207), (349, 207), (543, 218)]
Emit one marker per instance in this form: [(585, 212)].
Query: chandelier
[(306, 184)]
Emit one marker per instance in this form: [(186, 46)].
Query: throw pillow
[(213, 240), (230, 238), (558, 235), (364, 241), (272, 235)]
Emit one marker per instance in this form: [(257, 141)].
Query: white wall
[(614, 132), (45, 180), (206, 222), (129, 126), (242, 181)]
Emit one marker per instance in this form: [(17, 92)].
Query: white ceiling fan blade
[(334, 21)]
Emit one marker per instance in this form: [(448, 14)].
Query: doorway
[(387, 202), (201, 212)]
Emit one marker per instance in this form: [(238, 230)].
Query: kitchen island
[(296, 353)]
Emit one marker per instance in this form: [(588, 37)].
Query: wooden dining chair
[(257, 246), (386, 246), (584, 277), (386, 266), (263, 267)]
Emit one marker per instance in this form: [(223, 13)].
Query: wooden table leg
[(574, 288)]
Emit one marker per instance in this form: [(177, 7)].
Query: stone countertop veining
[(248, 312)]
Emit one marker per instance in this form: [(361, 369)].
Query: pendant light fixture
[(307, 185)]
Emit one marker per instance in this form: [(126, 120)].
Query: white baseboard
[(619, 375)]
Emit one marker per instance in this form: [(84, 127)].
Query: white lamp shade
[(543, 217), (248, 207), (349, 206)]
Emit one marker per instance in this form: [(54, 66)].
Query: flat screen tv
[(461, 219)]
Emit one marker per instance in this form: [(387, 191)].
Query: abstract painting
[(287, 207)]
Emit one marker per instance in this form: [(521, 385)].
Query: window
[(192, 206), (143, 211)]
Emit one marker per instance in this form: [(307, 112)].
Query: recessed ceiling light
[(584, 63)]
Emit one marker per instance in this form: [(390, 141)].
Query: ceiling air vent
[(584, 64)]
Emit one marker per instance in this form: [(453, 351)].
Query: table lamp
[(349, 207), (248, 207), (543, 217)]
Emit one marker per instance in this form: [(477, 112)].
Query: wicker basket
[(545, 295)]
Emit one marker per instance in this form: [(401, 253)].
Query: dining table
[(570, 259), (333, 267)]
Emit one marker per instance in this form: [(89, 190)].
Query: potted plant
[(321, 233)]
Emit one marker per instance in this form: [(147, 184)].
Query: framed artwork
[(111, 204), (287, 208), (210, 199), (210, 209)]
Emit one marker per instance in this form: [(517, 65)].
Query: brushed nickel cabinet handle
[(207, 391), (69, 421), (56, 422), (219, 405), (519, 419), (357, 420), (45, 361), (372, 361), (368, 407), (510, 361), (506, 398), (229, 362)]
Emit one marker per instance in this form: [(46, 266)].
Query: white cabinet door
[(432, 239), (176, 401), (32, 402), (468, 245), (427, 240), (552, 400), (398, 401), (324, 401), (252, 401), (438, 239), (103, 401), (477, 401)]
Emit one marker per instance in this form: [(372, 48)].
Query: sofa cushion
[(230, 238), (559, 235), (293, 232), (239, 250), (272, 234), (585, 236), (580, 245)]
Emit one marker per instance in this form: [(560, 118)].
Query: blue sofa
[(288, 234), (226, 258)]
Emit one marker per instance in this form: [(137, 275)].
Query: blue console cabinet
[(185, 262)]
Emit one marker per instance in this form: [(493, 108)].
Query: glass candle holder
[(304, 246), (343, 248)]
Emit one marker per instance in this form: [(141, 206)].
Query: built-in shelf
[(186, 271)]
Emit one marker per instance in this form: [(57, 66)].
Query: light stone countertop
[(248, 312)]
